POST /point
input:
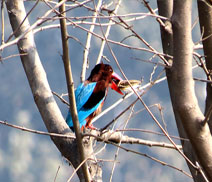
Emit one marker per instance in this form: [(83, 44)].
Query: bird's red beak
[(115, 80)]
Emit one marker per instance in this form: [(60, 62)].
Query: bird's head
[(105, 72)]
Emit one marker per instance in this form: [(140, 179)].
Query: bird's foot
[(91, 127)]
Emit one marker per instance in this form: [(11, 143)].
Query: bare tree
[(177, 59)]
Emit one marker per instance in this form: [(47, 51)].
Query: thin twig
[(136, 16), (152, 12), (102, 38), (83, 21), (202, 80), (152, 158), (160, 108), (68, 136), (38, 22), (88, 42), (62, 99), (11, 56), (208, 115), (153, 72), (56, 174), (202, 172), (117, 152), (151, 62), (2, 22), (76, 39), (107, 33), (122, 99), (202, 64), (144, 41), (14, 32), (152, 132), (78, 167)]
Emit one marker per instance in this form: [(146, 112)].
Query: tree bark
[(185, 101), (165, 8), (42, 94), (187, 113), (205, 17)]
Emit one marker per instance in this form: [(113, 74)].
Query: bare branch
[(183, 99), (120, 142), (118, 137), (29, 28), (67, 136), (108, 136), (152, 158), (107, 33), (144, 41), (72, 101), (151, 132), (88, 42), (2, 22), (148, 85)]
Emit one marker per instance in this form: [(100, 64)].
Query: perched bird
[(90, 94)]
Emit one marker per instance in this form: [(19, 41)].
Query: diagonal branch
[(107, 33), (26, 30), (88, 42)]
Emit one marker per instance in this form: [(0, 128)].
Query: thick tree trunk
[(165, 8), (185, 101), (188, 116)]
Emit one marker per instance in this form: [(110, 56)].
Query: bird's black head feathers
[(101, 72)]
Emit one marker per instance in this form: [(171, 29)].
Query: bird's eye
[(108, 69)]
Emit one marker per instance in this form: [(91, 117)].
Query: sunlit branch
[(27, 15), (107, 33), (11, 56), (118, 137), (100, 37), (152, 158), (88, 42), (109, 136), (151, 132), (142, 39), (125, 97), (38, 22)]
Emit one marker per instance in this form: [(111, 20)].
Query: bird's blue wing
[(84, 113), (82, 94)]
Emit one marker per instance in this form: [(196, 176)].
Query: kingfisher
[(91, 94)]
